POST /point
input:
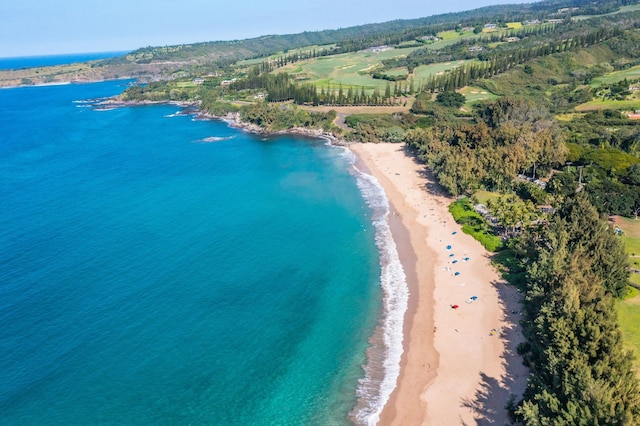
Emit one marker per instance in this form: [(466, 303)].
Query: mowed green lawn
[(629, 309), (630, 104), (352, 69), (484, 196), (257, 61), (477, 94), (348, 69), (632, 73), (424, 71), (629, 319), (631, 238)]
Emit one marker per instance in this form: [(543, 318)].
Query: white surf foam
[(383, 357), (212, 139)]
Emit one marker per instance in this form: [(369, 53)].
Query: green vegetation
[(510, 137), (528, 118), (476, 94), (474, 224), (629, 318), (483, 197), (581, 373), (615, 105), (274, 117), (632, 73), (451, 99)]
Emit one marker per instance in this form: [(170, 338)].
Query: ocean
[(51, 60), (160, 269)]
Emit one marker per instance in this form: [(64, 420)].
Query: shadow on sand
[(432, 187), (490, 401)]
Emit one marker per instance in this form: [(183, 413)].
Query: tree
[(451, 99), (588, 233), (512, 213), (580, 373)]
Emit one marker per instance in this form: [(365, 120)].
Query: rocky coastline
[(233, 119)]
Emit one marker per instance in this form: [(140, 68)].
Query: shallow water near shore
[(160, 269)]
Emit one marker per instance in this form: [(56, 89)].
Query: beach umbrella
[(474, 297), (454, 306), (455, 261), (457, 273), (448, 247), (451, 255), (454, 233)]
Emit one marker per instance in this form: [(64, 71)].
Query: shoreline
[(233, 119), (444, 378), (455, 369)]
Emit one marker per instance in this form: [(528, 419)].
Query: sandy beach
[(459, 365)]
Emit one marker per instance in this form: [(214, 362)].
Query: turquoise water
[(157, 269)]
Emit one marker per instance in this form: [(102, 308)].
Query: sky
[(47, 27)]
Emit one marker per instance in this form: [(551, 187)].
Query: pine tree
[(580, 372)]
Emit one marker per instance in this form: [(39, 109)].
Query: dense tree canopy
[(513, 137), (580, 372)]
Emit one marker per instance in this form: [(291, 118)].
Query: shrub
[(473, 224)]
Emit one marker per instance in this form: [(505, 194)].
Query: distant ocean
[(50, 60), (157, 269)]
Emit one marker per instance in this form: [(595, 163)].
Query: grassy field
[(186, 85), (629, 309), (352, 70), (632, 245), (424, 71), (629, 319), (451, 35), (631, 237), (569, 117), (484, 196), (476, 94), (349, 69), (625, 105), (514, 25), (623, 9), (448, 38), (632, 73), (256, 61)]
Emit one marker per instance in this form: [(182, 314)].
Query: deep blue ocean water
[(50, 60), (157, 269)]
